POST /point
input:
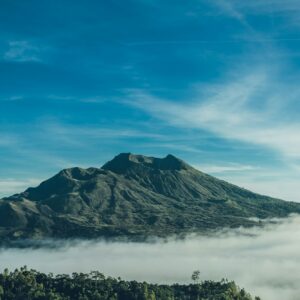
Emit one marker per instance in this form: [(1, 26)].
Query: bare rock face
[(133, 196)]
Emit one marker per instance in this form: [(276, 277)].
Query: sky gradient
[(215, 83)]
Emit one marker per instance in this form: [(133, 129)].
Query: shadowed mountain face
[(133, 196)]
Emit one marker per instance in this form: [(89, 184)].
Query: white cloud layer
[(264, 261)]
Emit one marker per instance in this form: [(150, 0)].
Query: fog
[(264, 261)]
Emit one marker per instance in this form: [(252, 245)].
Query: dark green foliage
[(27, 284), (196, 276), (133, 196)]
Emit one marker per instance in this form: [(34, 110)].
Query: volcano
[(135, 197)]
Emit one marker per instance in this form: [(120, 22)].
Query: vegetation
[(27, 284)]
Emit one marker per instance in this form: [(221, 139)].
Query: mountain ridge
[(133, 196)]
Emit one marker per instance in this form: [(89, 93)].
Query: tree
[(1, 292), (196, 276), (27, 284)]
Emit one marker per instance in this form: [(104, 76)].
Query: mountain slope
[(133, 196)]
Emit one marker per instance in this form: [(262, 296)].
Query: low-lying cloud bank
[(264, 261)]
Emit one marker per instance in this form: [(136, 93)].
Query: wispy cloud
[(283, 184), (228, 168), (11, 186), (8, 140), (22, 51), (230, 9), (79, 134), (92, 99), (288, 10), (280, 184), (248, 107), (12, 98), (275, 6)]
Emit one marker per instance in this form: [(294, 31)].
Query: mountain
[(133, 196)]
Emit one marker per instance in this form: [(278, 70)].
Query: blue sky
[(213, 82)]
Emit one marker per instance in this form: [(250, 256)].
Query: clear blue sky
[(216, 83)]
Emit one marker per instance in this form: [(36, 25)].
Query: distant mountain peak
[(128, 161)]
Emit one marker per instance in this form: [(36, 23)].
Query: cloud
[(229, 9), (93, 99), (281, 184), (8, 140), (286, 11), (270, 6), (11, 186), (286, 188), (12, 98), (264, 261), (249, 108), (228, 168), (22, 51), (238, 9), (80, 135), (96, 99)]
